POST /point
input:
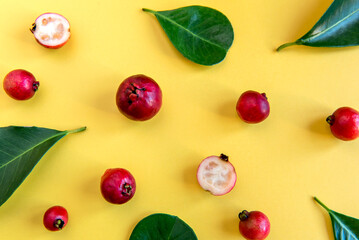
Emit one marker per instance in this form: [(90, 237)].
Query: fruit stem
[(321, 204), (59, 223), (223, 157), (243, 215), (77, 130), (286, 45)]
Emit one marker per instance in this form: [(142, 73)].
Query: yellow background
[(281, 163)]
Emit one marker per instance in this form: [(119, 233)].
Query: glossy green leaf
[(20, 150), (162, 226), (344, 227), (338, 27), (203, 35)]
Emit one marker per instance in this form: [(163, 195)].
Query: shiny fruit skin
[(254, 225), (20, 84), (139, 98), (253, 107), (344, 123), (55, 218), (118, 185)]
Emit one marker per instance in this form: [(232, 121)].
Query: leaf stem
[(321, 204), (286, 45), (148, 10), (77, 130)]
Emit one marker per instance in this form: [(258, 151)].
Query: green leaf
[(203, 35), (344, 227), (20, 150), (338, 27), (162, 226)]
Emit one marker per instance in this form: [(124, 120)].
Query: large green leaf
[(162, 226), (338, 27), (344, 227), (203, 35), (20, 150)]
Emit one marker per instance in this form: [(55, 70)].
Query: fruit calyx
[(243, 215), (127, 189), (134, 92), (223, 157), (33, 27), (59, 223), (35, 86), (264, 95), (330, 120)]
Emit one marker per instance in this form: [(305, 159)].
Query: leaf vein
[(343, 225), (192, 33), (173, 226), (28, 150), (333, 26)]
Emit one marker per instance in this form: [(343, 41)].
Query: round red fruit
[(139, 97), (254, 225), (344, 123), (118, 185), (55, 218), (51, 30), (253, 107), (20, 84), (216, 175)]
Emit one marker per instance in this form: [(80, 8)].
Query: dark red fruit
[(55, 218), (139, 97), (254, 225), (344, 123), (253, 107), (20, 84), (118, 185)]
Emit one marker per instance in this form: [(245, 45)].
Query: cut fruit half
[(216, 175), (51, 30)]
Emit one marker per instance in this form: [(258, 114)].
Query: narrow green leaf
[(20, 150), (162, 226), (203, 35), (338, 27), (344, 227)]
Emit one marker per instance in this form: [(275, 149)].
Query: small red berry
[(254, 225), (55, 218), (344, 123), (118, 185), (20, 84), (253, 107), (139, 98)]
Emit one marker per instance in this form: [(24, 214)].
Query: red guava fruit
[(51, 30)]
